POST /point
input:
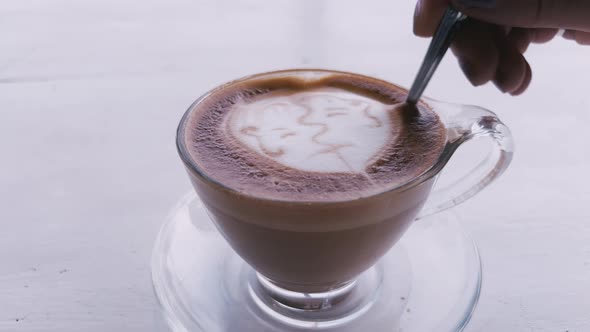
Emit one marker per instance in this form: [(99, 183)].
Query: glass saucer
[(429, 281)]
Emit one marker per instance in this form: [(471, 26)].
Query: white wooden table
[(90, 95)]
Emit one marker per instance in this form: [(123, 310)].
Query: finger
[(569, 34), (427, 16), (572, 14), (542, 35), (520, 38), (581, 37), (477, 52), (526, 82), (511, 68)]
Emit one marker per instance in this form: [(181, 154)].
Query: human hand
[(491, 47)]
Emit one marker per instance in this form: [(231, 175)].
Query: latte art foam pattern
[(324, 130), (325, 138)]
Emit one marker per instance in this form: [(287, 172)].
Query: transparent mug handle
[(465, 123)]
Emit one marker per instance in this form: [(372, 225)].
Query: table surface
[(91, 93)]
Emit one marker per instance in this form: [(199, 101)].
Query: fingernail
[(418, 20), (418, 8), (487, 4)]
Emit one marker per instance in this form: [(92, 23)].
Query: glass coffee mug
[(308, 255)]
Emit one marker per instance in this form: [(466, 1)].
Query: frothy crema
[(321, 138), (321, 130)]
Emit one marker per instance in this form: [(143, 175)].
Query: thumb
[(572, 14)]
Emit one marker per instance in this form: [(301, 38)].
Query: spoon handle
[(436, 51)]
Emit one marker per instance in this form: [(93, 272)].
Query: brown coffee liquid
[(331, 138)]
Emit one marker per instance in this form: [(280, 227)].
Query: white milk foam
[(321, 130)]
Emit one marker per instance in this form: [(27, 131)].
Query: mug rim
[(186, 158)]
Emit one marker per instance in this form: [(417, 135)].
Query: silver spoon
[(436, 51)]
